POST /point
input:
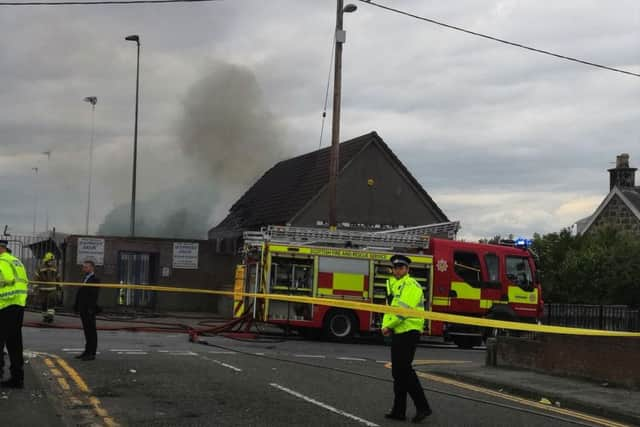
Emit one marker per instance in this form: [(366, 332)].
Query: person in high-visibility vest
[(13, 298), (48, 293), (405, 333), (2, 344)]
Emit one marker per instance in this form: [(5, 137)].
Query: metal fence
[(607, 317), (32, 248)]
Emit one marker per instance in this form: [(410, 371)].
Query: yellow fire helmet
[(49, 256)]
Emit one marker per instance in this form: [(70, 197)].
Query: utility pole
[(93, 100), (334, 161), (135, 38)]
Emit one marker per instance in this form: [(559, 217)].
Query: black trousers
[(1, 357), (11, 335), (405, 380), (88, 318)]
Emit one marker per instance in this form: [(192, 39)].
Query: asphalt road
[(153, 379)]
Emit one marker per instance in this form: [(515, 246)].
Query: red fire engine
[(472, 279)]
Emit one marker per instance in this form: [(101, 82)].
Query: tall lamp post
[(35, 201), (340, 38), (93, 100), (135, 38), (47, 201)]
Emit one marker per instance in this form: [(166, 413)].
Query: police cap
[(400, 260), (4, 243)]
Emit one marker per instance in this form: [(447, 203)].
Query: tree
[(598, 268)]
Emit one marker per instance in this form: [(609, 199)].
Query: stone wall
[(604, 359), (617, 214)]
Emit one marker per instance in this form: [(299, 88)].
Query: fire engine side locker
[(289, 261)]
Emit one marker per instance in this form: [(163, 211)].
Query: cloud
[(532, 136)]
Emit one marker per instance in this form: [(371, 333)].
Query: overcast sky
[(504, 140)]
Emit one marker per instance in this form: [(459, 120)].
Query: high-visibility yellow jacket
[(13, 281), (405, 293)]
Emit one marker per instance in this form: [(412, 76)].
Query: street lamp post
[(135, 38), (334, 161), (47, 201), (93, 100), (35, 200)]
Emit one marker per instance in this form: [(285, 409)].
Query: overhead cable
[(499, 40), (98, 2)]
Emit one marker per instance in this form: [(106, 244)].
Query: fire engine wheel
[(339, 324)]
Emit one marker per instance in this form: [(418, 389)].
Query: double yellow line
[(54, 363), (536, 405), (364, 306)]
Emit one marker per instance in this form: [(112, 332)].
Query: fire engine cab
[(472, 279)]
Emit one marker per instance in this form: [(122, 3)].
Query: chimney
[(622, 176)]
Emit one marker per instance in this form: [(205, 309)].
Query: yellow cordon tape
[(376, 308)]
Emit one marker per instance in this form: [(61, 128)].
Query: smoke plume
[(227, 139)]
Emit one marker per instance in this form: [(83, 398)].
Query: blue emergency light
[(523, 243)]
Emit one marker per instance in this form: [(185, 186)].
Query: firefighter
[(47, 295), (13, 298), (405, 333)]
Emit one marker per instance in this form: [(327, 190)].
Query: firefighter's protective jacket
[(405, 293), (13, 281), (47, 273)]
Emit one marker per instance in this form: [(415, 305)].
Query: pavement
[(35, 405), (140, 369), (595, 398)]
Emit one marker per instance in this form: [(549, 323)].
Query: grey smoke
[(228, 138)]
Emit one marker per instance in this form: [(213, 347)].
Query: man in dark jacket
[(87, 305)]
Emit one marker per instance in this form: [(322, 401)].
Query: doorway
[(137, 268)]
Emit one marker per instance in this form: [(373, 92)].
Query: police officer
[(2, 353), (404, 292), (13, 298)]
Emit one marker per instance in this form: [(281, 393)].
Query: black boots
[(421, 414), (392, 416)]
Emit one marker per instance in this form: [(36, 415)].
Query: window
[(467, 267), (519, 271), (493, 267)]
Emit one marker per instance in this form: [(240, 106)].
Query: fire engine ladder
[(307, 235), (443, 228)]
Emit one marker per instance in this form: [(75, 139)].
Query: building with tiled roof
[(375, 191)]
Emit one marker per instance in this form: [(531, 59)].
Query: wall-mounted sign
[(90, 249), (185, 255)]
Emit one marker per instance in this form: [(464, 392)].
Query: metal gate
[(136, 268), (31, 249)]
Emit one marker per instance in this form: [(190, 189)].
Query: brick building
[(151, 261)]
